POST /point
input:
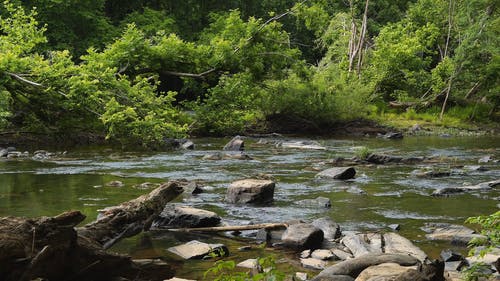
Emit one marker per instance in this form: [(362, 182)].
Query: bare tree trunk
[(446, 98), (362, 38), (450, 19)]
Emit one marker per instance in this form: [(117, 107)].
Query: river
[(379, 195)]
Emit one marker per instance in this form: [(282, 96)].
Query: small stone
[(244, 248), (394, 226), (300, 276), (249, 263), (115, 184), (305, 254), (322, 254), (484, 159), (188, 145)]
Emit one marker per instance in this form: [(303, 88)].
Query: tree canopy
[(143, 71)]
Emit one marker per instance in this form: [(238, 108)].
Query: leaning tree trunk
[(52, 248)]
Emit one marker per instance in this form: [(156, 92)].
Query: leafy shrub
[(225, 271)]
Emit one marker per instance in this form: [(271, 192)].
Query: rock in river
[(459, 189), (302, 236), (317, 202), (339, 173), (197, 250), (182, 216), (331, 229), (456, 234), (236, 144), (250, 191)]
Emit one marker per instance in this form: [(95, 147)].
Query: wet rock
[(382, 272), (460, 189), (313, 145), (450, 255), (313, 263), (115, 184), (395, 227), (433, 174), (476, 168), (456, 234), (244, 248), (42, 155), (4, 152), (317, 202), (339, 173), (484, 159), (383, 159), (188, 145), (147, 185), (249, 263), (250, 191), (236, 144), (322, 254), (185, 217), (393, 135), (212, 156), (331, 230), (237, 156), (302, 236), (16, 154), (191, 187), (11, 149), (397, 244), (198, 250)]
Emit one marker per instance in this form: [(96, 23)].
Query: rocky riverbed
[(364, 189)]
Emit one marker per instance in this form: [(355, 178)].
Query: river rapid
[(379, 195)]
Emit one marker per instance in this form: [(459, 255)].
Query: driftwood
[(353, 267), (52, 248), (232, 228)]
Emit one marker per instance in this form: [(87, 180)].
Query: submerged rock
[(302, 236), (456, 234), (235, 144), (317, 202), (182, 216), (460, 189), (393, 135), (339, 173), (313, 145), (197, 250), (115, 184), (250, 191)]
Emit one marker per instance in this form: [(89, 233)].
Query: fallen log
[(53, 248), (232, 228), (129, 218), (354, 267)]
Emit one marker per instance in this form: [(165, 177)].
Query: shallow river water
[(379, 195)]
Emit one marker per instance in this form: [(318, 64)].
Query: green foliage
[(363, 152), (225, 271), (150, 21), (490, 229)]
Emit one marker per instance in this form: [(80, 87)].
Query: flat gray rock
[(338, 173), (302, 235), (197, 250), (250, 191)]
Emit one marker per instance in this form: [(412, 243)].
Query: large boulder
[(397, 244), (331, 229), (250, 191), (382, 272), (338, 173), (183, 216), (197, 250), (235, 144), (302, 236)]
